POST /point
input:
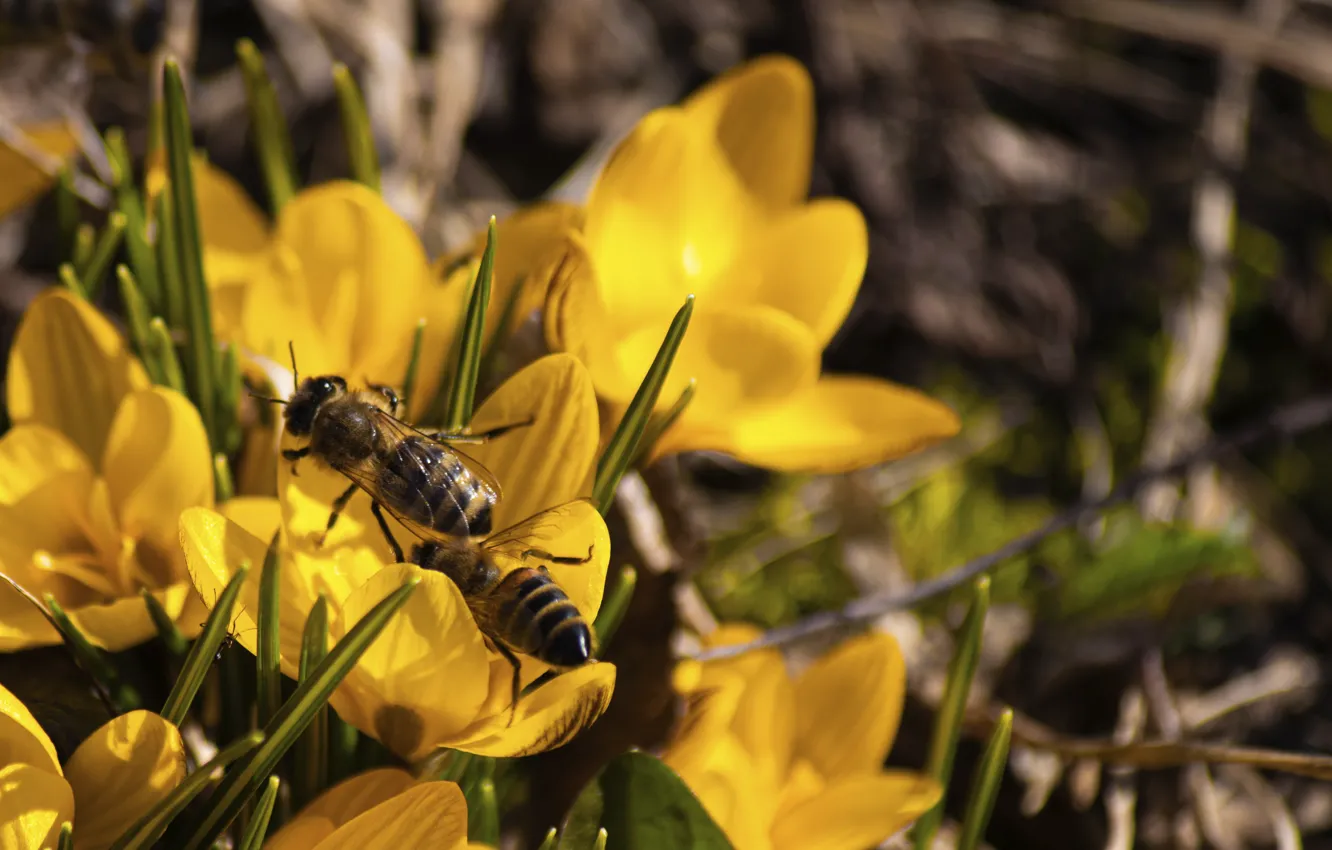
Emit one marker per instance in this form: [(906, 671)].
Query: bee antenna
[(295, 376), (268, 398)]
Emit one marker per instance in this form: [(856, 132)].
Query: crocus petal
[(30, 455), (157, 464), (366, 271), (25, 180), (120, 772), (546, 463), (813, 259), (764, 720), (762, 115), (856, 812), (741, 356), (278, 313), (668, 217), (429, 814), (550, 717), (839, 424), (34, 806), (235, 231), (123, 623), (69, 369), (735, 801), (425, 676), (22, 739), (706, 721), (848, 704), (575, 530), (339, 804), (574, 317)]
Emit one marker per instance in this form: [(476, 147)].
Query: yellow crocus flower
[(709, 198), (93, 478), (22, 181), (112, 779), (430, 680), (383, 809), (786, 763)]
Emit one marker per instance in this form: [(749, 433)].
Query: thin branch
[(1284, 422)]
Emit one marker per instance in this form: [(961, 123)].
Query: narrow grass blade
[(67, 209), (272, 144), (548, 843), (223, 486), (614, 606), (162, 352), (343, 741), (985, 787), (263, 812), (172, 306), (70, 279), (463, 396), (85, 237), (150, 827), (228, 398), (200, 367), (103, 253), (456, 767), (310, 771), (66, 841), (293, 718), (172, 639), (356, 127), (602, 837), (659, 424), (123, 696), (491, 357), (215, 630), (413, 363), (137, 317), (267, 648), (142, 258), (624, 442), (483, 815), (948, 718)]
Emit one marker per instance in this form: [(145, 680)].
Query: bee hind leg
[(388, 533), (484, 436), (339, 505), (543, 555), (517, 685)]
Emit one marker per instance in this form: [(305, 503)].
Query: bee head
[(312, 394)]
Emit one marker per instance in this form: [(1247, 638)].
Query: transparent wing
[(538, 530), (575, 534)]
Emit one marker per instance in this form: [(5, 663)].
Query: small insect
[(524, 610), (430, 486)]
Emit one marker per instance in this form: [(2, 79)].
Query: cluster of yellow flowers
[(107, 481)]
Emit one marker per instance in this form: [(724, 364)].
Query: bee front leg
[(542, 554), (517, 684), (339, 505), (388, 533), (294, 455)]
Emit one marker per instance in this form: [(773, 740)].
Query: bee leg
[(294, 455), (339, 505), (517, 676), (388, 534), (394, 400), (461, 437), (555, 559)]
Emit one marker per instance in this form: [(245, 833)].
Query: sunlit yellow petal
[(762, 115), (442, 307), (550, 717), (235, 231), (69, 369), (30, 455), (22, 739), (764, 719), (728, 790), (338, 805), (813, 259), (425, 676), (278, 311), (848, 705), (856, 812), (839, 424), (157, 463), (741, 357), (34, 805), (543, 464), (366, 270), (25, 180), (120, 772), (429, 814), (668, 217), (574, 317), (575, 530), (707, 719), (123, 623)]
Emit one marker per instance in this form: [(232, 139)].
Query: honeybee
[(524, 610), (430, 486)]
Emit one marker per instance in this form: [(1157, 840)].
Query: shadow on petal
[(548, 718), (25, 742), (124, 622), (429, 814), (33, 805), (339, 804)]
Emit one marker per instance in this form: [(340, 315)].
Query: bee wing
[(538, 529), (573, 530), (477, 468)]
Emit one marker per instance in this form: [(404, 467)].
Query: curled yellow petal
[(429, 814), (848, 705), (856, 812), (425, 676), (157, 464), (545, 463), (122, 623), (22, 739), (548, 718), (120, 772), (762, 115), (34, 805), (69, 369), (339, 804), (26, 180), (839, 424), (813, 259), (574, 317)]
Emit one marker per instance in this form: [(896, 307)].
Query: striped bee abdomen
[(537, 618), (427, 484)]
